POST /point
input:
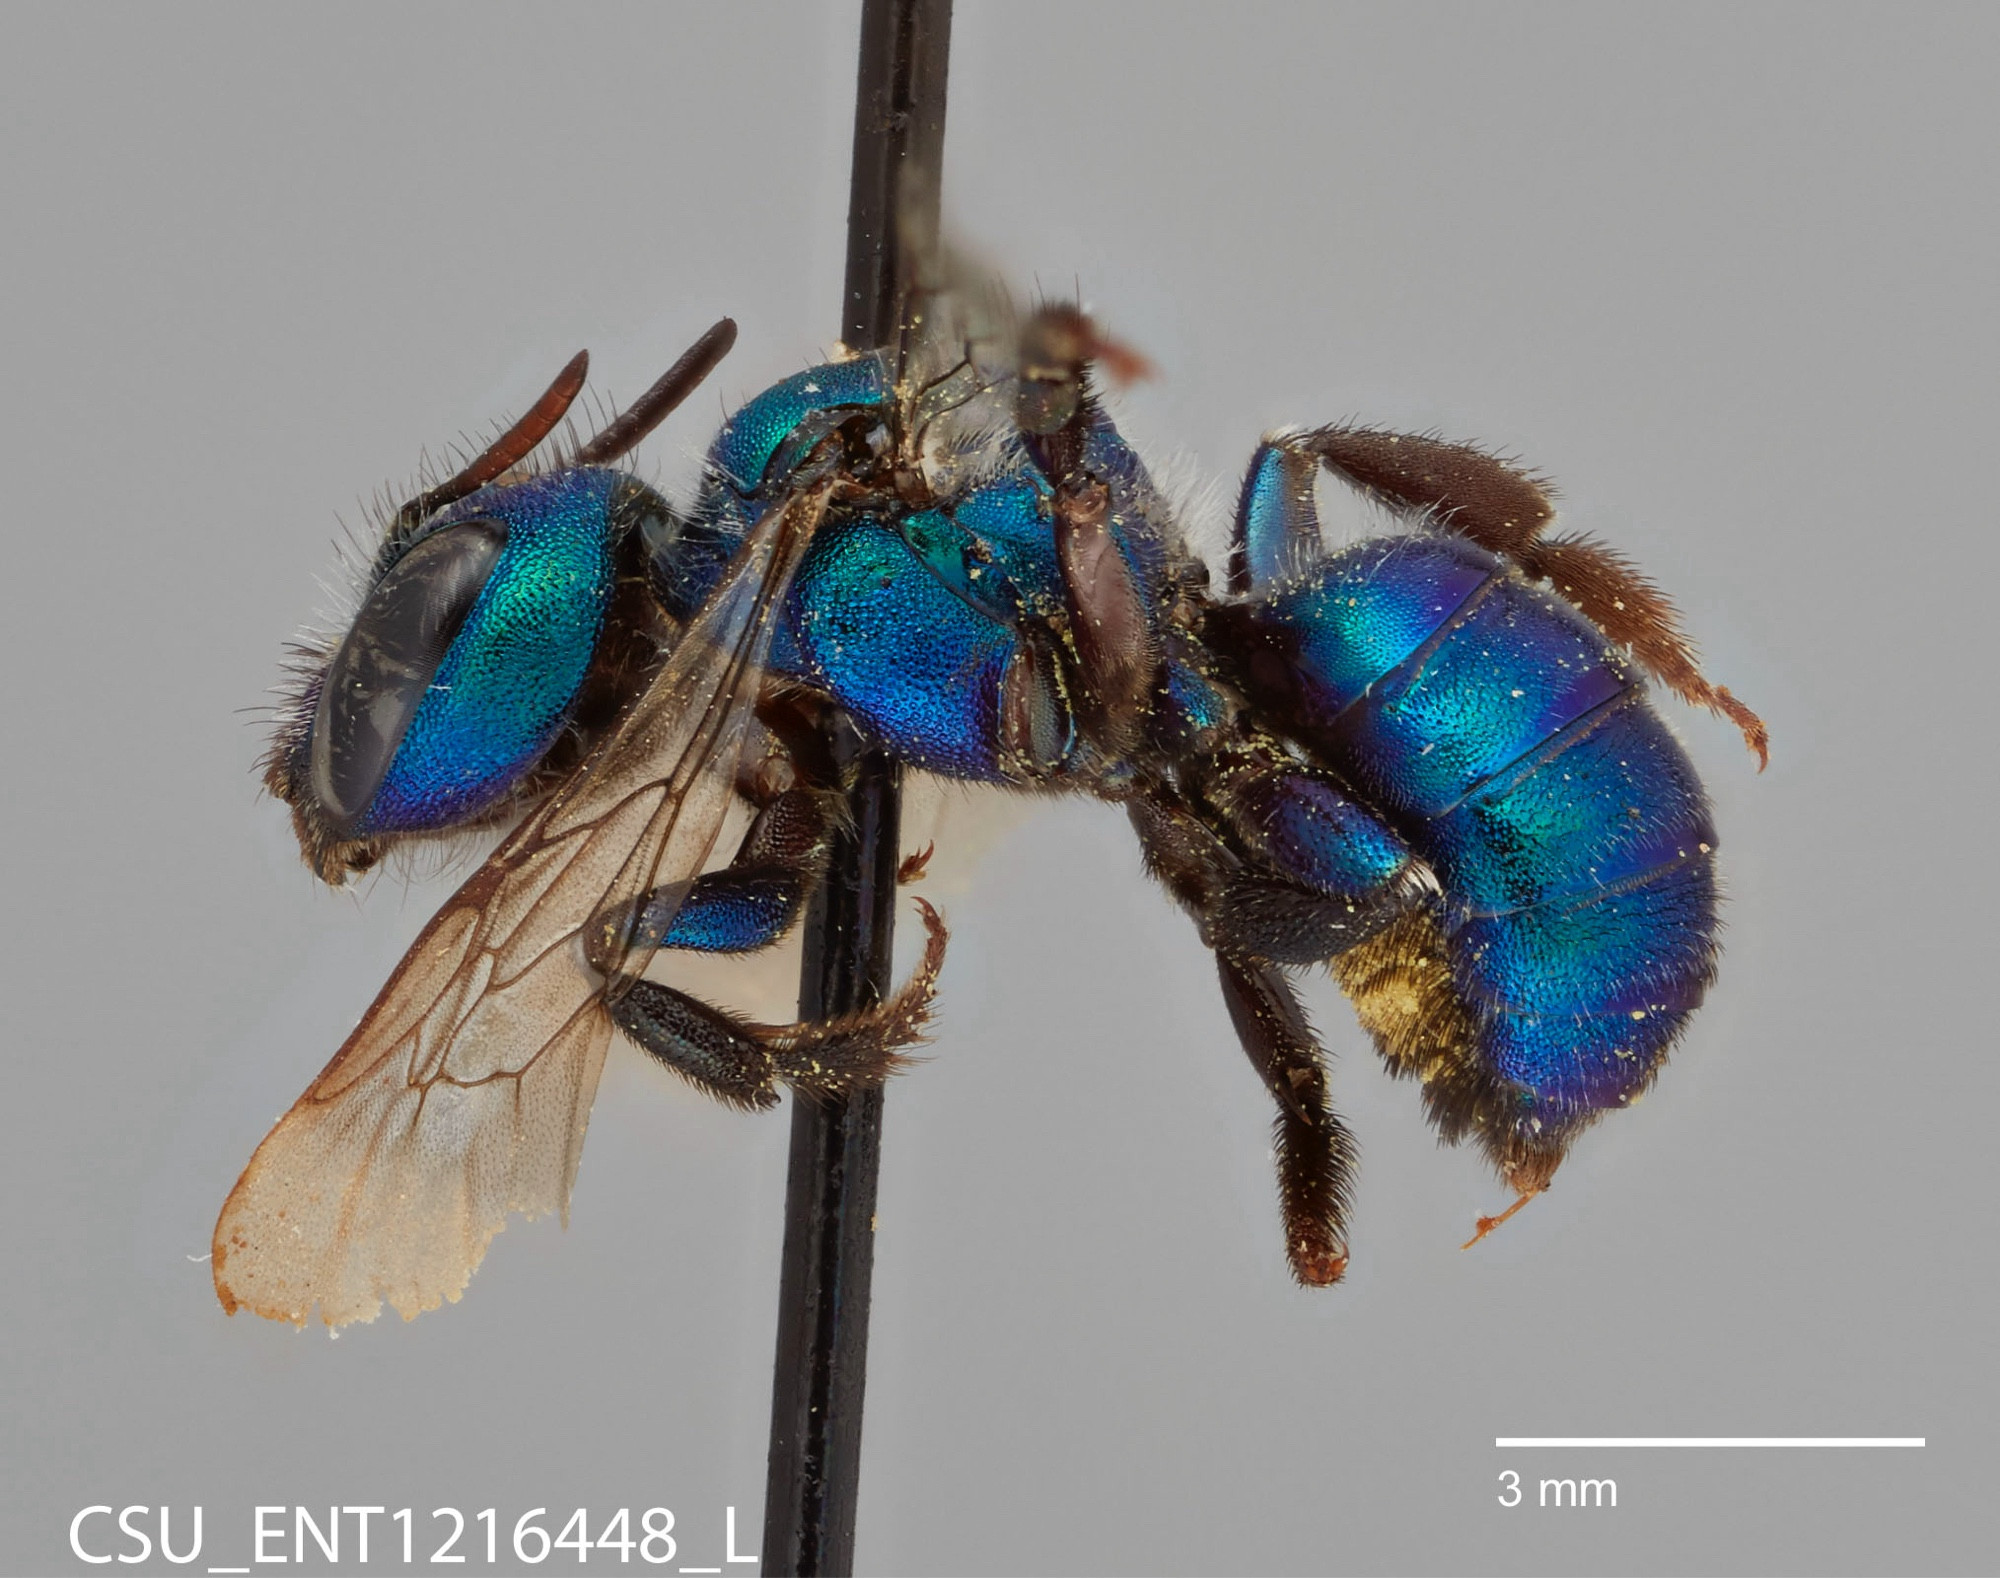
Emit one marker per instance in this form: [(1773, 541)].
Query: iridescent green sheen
[(506, 685), (1495, 726), (745, 447)]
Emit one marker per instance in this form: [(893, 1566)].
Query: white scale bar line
[(1708, 1441)]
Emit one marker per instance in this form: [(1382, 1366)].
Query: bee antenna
[(509, 449), (653, 407)]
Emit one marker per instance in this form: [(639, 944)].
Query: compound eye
[(387, 661)]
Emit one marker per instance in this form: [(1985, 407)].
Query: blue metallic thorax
[(507, 682), (746, 470), (790, 417), (1495, 728), (916, 664), (909, 621)]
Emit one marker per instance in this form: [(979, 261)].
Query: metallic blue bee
[(1425, 759)]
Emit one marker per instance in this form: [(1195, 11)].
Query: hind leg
[(1485, 499), (1315, 1150), (1338, 884)]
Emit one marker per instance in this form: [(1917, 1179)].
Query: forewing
[(464, 1092)]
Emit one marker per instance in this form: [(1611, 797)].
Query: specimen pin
[(820, 1369)]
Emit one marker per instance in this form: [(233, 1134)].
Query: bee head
[(459, 672)]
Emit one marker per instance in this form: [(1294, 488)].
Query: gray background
[(1726, 273)]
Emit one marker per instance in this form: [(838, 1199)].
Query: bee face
[(459, 671)]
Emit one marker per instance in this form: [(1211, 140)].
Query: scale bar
[(1708, 1441)]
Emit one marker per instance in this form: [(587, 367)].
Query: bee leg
[(741, 1062), (1110, 635), (1620, 600), (749, 906), (1505, 510), (1315, 1150), (745, 907), (1277, 535), (1479, 496), (708, 1047), (1268, 918), (755, 900), (1321, 873)]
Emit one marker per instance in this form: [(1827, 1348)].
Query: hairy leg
[(1503, 508)]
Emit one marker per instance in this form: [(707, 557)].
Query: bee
[(1425, 760)]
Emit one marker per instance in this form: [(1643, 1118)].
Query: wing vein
[(404, 1157)]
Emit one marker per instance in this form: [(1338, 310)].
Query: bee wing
[(464, 1092)]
